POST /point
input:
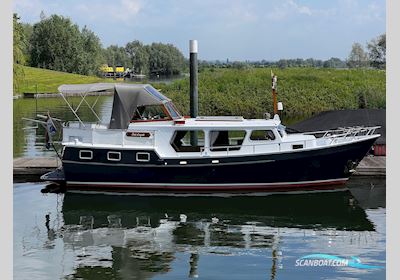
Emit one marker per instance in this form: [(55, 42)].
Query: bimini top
[(127, 98)]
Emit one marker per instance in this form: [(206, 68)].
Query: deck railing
[(344, 132)]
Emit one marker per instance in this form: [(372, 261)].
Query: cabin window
[(142, 156), (114, 156), (297, 146), (85, 154), (224, 140), (188, 140), (257, 135)]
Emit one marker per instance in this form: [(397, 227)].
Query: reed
[(304, 91)]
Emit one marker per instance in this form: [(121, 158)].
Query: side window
[(188, 140), (224, 140), (142, 156), (114, 156), (85, 154), (262, 135)]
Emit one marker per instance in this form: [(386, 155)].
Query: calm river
[(106, 236)]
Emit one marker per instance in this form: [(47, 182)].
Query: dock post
[(194, 102)]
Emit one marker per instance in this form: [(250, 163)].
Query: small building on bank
[(345, 118)]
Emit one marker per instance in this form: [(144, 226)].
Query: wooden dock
[(32, 168), (374, 166)]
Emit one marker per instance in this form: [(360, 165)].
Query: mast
[(274, 79)]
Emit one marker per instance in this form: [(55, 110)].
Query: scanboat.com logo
[(331, 260)]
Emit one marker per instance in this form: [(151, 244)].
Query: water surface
[(105, 236)]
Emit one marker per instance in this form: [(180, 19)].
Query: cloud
[(239, 12), (362, 12), (299, 9), (130, 7), (370, 13), (289, 8), (118, 11), (292, 9)]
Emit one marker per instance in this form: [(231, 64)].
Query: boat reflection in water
[(128, 236)]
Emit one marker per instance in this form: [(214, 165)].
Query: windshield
[(172, 110), (150, 112), (155, 93), (282, 130)]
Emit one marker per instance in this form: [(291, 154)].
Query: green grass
[(247, 92), (48, 81), (303, 91)]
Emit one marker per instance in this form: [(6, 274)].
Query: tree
[(42, 15), (334, 62), (138, 55), (377, 52), (116, 56), (28, 30), (165, 59), (357, 58), (58, 44), (19, 44), (92, 53), (282, 63)]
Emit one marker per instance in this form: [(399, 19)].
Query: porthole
[(142, 156), (114, 156), (85, 154)]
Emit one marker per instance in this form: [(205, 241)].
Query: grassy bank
[(48, 80), (303, 91), (247, 92)]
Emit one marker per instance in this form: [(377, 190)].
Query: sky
[(226, 29)]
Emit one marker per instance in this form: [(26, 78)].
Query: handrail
[(357, 129)]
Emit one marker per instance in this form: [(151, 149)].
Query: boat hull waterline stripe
[(188, 186)]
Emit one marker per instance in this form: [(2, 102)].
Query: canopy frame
[(127, 98)]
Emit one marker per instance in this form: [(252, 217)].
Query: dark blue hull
[(319, 168)]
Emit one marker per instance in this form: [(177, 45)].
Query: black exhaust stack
[(194, 91), (194, 102)]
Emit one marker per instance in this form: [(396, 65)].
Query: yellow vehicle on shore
[(109, 71), (106, 69), (119, 69)]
